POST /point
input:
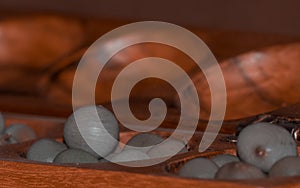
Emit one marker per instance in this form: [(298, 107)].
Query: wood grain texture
[(45, 50), (14, 174), (257, 82), (38, 58)]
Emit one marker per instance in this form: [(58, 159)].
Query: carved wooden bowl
[(38, 58)]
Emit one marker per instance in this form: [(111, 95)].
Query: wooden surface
[(45, 50), (13, 174), (258, 81), (38, 58)]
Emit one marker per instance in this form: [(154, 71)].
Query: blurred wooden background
[(268, 16), (41, 43)]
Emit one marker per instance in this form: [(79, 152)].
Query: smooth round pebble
[(199, 168), (288, 166), (239, 170), (45, 150), (75, 156), (98, 134), (223, 159), (129, 155), (19, 133), (167, 148), (263, 144), (144, 141)]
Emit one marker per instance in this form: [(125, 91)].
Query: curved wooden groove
[(257, 81), (46, 43), (51, 46), (22, 174)]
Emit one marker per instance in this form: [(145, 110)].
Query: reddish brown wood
[(38, 57), (257, 82), (45, 50), (24, 174)]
